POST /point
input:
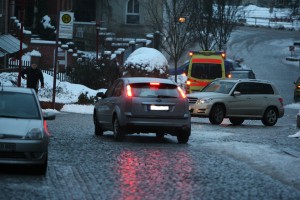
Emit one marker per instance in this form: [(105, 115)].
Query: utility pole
[(22, 12), (56, 53)]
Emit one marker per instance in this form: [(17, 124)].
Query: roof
[(9, 44)]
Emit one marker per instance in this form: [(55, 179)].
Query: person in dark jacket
[(33, 76)]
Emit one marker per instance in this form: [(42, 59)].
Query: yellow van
[(204, 67)]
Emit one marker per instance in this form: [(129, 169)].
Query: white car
[(23, 130), (237, 99)]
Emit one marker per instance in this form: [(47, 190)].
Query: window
[(118, 89), (162, 90), (133, 12), (206, 71), (79, 32)]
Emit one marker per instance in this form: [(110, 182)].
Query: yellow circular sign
[(66, 18)]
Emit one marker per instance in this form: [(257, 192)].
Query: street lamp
[(97, 40)]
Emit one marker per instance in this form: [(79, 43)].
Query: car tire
[(118, 131), (270, 117), (41, 169), (160, 136), (183, 136), (236, 120), (98, 128), (216, 114)]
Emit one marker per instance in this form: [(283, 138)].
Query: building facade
[(127, 18)]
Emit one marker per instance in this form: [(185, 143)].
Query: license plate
[(7, 147), (153, 107)]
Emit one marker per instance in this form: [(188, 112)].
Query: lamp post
[(97, 40)]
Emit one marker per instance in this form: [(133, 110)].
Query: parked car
[(231, 65), (143, 105), (297, 90), (238, 100), (245, 73), (23, 130)]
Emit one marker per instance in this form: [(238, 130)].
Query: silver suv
[(237, 99), (146, 105)]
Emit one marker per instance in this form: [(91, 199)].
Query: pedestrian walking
[(33, 76)]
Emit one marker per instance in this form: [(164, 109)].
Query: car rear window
[(154, 90)]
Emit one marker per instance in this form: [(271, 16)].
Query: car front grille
[(192, 100)]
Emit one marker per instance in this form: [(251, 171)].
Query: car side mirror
[(100, 95), (236, 93), (49, 115)]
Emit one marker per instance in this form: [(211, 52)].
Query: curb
[(292, 59)]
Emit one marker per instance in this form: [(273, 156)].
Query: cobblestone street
[(83, 166)]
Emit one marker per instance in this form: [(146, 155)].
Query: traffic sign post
[(66, 20), (292, 49)]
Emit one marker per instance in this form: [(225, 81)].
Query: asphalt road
[(250, 161)]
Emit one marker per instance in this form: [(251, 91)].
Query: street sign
[(292, 48), (66, 25)]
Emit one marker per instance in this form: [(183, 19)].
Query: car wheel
[(236, 120), (217, 114), (41, 169), (98, 128), (160, 136), (183, 136), (119, 133), (270, 117)]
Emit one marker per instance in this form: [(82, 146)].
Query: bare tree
[(214, 22), (226, 21), (175, 26)]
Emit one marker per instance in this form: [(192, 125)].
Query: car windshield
[(18, 105), (206, 70), (219, 86), (155, 90)]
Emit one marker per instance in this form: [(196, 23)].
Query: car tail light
[(281, 101), (154, 84), (181, 92), (46, 128), (128, 91)]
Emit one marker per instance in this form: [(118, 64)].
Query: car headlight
[(34, 134), (204, 101)]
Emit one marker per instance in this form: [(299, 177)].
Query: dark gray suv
[(143, 105)]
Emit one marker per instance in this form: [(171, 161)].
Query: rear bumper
[(157, 125)]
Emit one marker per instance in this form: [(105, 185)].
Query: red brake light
[(156, 84), (181, 92), (128, 91), (46, 128), (281, 101)]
